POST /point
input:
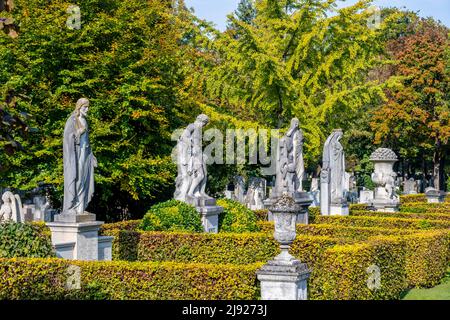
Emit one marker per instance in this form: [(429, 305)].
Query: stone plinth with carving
[(385, 198), (284, 277)]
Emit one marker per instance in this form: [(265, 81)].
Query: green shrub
[(24, 240), (172, 215), (47, 278), (262, 215), (236, 217)]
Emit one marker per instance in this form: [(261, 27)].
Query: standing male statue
[(79, 162)]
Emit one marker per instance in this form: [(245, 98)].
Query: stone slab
[(75, 218)]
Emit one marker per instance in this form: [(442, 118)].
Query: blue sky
[(217, 10)]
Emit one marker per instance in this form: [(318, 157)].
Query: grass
[(440, 292)]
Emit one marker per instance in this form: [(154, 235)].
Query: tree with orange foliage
[(415, 118)]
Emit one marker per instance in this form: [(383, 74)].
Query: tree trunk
[(438, 167)]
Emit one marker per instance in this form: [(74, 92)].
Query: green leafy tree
[(294, 59), (132, 60)]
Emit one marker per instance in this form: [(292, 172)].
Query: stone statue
[(11, 209), (290, 165), (191, 162), (333, 177), (79, 162)]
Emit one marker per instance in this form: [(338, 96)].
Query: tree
[(295, 60), (415, 119), (131, 60)]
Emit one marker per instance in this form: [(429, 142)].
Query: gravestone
[(434, 196), (410, 186), (192, 175), (256, 193), (11, 208), (239, 189), (333, 178), (366, 196)]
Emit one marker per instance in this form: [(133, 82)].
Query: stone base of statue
[(339, 208), (303, 199), (383, 205), (76, 237), (208, 210), (435, 196), (284, 278)]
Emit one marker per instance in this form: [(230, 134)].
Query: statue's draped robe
[(78, 169)]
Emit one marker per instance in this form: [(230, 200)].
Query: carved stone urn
[(384, 179), (284, 213), (284, 277)]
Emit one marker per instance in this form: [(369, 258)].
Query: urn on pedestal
[(384, 178), (284, 277)]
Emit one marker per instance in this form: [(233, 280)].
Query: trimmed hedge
[(211, 248), (384, 222), (236, 217), (403, 215), (420, 197), (342, 273), (47, 279)]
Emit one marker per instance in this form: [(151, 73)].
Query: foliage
[(236, 217), (133, 61), (47, 279), (415, 118), (24, 240), (277, 65), (384, 222), (172, 215)]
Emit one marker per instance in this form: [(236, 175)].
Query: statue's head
[(82, 107), (295, 123), (202, 119)]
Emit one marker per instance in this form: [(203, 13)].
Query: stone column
[(284, 277)]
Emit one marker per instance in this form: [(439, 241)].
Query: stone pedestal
[(435, 196), (339, 209), (209, 212), (76, 237), (210, 218), (284, 281)]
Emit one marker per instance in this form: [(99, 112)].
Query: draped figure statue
[(332, 177), (191, 163), (79, 161), (290, 165)]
